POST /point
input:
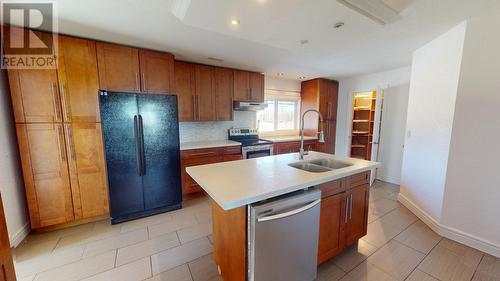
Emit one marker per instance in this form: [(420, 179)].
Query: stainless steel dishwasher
[(283, 237)]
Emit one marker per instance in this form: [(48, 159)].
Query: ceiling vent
[(376, 10)]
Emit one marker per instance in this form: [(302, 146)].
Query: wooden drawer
[(332, 188), (358, 179), (230, 150), (203, 152)]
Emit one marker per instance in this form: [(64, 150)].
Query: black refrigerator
[(141, 140)]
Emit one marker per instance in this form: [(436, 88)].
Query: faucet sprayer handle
[(321, 138)]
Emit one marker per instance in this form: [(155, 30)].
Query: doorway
[(367, 108)]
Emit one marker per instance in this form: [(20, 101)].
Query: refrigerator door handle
[(138, 156), (141, 142)]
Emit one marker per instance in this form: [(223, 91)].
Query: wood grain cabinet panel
[(78, 80), (35, 95), (223, 94), (45, 170), (256, 87), (241, 85), (205, 92), (7, 272), (184, 84), (118, 68), (331, 225), (157, 72), (357, 218), (87, 169)]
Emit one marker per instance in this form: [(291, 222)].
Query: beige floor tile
[(446, 264), (204, 216), (376, 194), (179, 255), (396, 259), (400, 217), (180, 273), (81, 269), (204, 268), (419, 237), (380, 233), (392, 196), (57, 234), (135, 271), (77, 239), (178, 221), (354, 255), (382, 206), (328, 271), (145, 222), (488, 269), (367, 272), (388, 187), (46, 262), (146, 248), (194, 232), (418, 275), (210, 238), (372, 217), (26, 251), (115, 242), (27, 278)]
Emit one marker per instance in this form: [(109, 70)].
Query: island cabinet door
[(331, 226), (357, 216)]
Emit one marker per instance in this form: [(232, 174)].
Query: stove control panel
[(243, 132)]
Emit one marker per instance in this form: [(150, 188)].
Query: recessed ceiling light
[(235, 21), (302, 77), (338, 24)]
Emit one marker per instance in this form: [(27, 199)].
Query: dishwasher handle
[(289, 213)]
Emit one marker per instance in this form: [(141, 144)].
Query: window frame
[(276, 96)]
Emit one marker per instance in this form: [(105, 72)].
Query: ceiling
[(269, 34)]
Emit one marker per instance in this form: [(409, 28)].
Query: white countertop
[(238, 183), (207, 144), (287, 138)]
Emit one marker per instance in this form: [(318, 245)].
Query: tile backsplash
[(217, 130)]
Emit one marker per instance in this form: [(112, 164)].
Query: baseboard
[(389, 179), (19, 236), (449, 232)]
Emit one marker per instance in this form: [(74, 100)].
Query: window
[(281, 115)]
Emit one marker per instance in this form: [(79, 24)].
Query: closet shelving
[(364, 105)]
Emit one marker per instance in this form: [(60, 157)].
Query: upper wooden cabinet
[(184, 84), (45, 171), (223, 94), (157, 72), (35, 95), (205, 93), (78, 80), (248, 86), (87, 171), (118, 68), (7, 272), (322, 95)]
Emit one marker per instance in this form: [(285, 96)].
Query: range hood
[(248, 106)]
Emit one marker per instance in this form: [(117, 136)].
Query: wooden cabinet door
[(223, 94), (35, 97), (188, 184), (205, 92), (7, 272), (241, 85), (78, 79), (157, 72), (256, 87), (45, 170), (357, 217), (333, 92), (184, 89), (87, 169), (331, 224), (118, 68)]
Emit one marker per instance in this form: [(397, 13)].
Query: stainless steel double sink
[(320, 165)]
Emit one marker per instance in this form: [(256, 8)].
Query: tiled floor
[(177, 247)]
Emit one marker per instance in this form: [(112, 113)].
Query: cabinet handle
[(250, 96), (346, 209), (54, 101), (59, 150), (144, 87), (329, 113), (350, 207), (137, 84), (66, 108), (198, 106), (71, 150)]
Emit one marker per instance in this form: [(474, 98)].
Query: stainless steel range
[(251, 145)]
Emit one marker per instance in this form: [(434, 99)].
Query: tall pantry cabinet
[(59, 135)]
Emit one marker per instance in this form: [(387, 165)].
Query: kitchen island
[(235, 185)]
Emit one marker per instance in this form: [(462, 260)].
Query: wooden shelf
[(360, 132), (358, 146), (361, 121), (362, 109)]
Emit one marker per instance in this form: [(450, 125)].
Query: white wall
[(279, 84), (396, 84), (11, 183), (433, 89), (472, 193)]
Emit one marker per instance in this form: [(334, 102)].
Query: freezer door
[(122, 153), (161, 169), (284, 238)]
